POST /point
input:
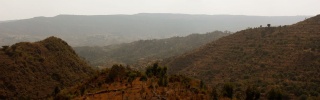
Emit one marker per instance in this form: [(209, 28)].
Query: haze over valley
[(103, 30)]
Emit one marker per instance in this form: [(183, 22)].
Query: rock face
[(35, 70), (268, 56)]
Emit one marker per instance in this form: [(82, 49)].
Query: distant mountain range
[(283, 57), (144, 52), (102, 30)]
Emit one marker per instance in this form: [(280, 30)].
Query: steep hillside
[(285, 57), (102, 30), (35, 70), (146, 50)]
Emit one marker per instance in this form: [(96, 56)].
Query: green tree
[(163, 81), (117, 72), (149, 71), (5, 48), (214, 94), (202, 85), (162, 71), (228, 90), (82, 91), (56, 90), (143, 78), (156, 70), (303, 97), (131, 78), (274, 94), (252, 93)]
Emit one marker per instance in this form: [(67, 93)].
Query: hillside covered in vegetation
[(120, 83), (144, 51), (36, 70), (123, 83), (286, 58), (270, 62)]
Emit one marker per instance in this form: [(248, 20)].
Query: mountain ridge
[(102, 30), (268, 57), (49, 64)]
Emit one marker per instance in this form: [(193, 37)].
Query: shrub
[(149, 72), (202, 85), (156, 70), (5, 48), (131, 78), (163, 81), (174, 78), (228, 90), (143, 78), (214, 94), (117, 72), (82, 91), (56, 91), (252, 93), (274, 94), (186, 81), (303, 97)]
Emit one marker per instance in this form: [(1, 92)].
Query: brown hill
[(35, 70), (286, 57)]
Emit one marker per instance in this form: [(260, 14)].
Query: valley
[(267, 62), (104, 30), (145, 52)]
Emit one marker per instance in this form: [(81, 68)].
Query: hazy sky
[(21, 9)]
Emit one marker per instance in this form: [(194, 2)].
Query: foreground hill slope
[(287, 57), (120, 83), (35, 70), (146, 50)]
